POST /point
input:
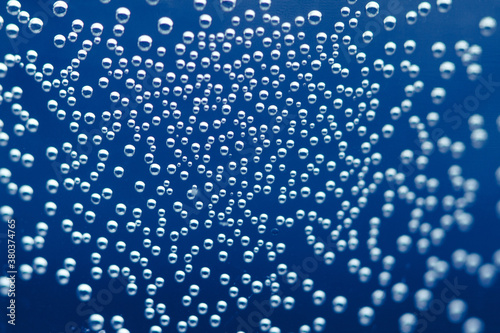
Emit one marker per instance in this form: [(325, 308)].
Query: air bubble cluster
[(229, 158)]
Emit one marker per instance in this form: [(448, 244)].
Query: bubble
[(407, 323), (447, 70), (473, 325), (122, 15), (40, 265), (472, 263), (77, 26), (390, 48), (165, 25), (59, 41), (456, 311), (411, 17), (215, 320), (50, 208), (303, 153), (199, 5), (117, 322), (444, 6), (366, 315), (487, 26), (423, 297), (13, 7), (248, 256), (339, 304), (96, 322), (227, 5), (129, 150), (60, 8), (205, 21), (26, 193), (487, 275), (12, 30), (438, 95), (6, 212), (264, 5), (25, 272), (319, 297), (87, 91), (372, 9), (313, 17), (3, 70), (478, 138), (62, 276), (389, 23), (144, 43), (399, 292), (424, 8)]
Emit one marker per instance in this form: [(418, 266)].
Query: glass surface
[(249, 166)]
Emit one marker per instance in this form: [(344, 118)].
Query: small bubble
[(372, 9), (60, 8), (314, 17), (165, 25)]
